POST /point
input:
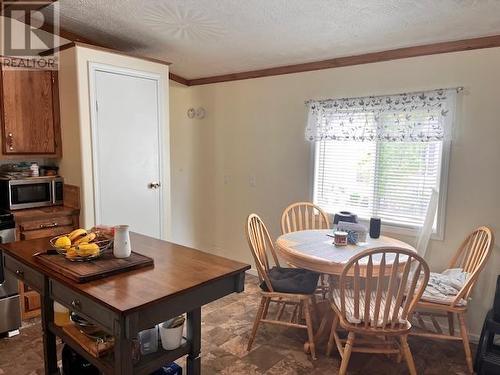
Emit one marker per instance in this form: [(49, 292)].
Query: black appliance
[(488, 352)]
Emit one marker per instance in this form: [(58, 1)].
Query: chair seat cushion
[(292, 280), (443, 287), (358, 318)]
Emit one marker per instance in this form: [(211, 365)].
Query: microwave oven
[(30, 192)]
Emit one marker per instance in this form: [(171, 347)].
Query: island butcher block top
[(177, 269)]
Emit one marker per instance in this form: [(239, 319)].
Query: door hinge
[(96, 106)]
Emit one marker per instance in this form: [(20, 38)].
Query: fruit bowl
[(82, 246)]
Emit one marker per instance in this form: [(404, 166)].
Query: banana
[(85, 239), (76, 234)]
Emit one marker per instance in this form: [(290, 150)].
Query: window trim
[(438, 234)]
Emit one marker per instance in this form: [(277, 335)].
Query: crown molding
[(368, 58), (179, 79)]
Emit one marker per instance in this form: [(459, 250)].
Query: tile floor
[(226, 324)]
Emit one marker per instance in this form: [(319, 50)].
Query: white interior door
[(127, 151)]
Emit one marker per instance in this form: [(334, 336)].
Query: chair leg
[(407, 354), (260, 312), (310, 331), (314, 306), (451, 324), (266, 308), (323, 286), (331, 339), (465, 339), (347, 353)]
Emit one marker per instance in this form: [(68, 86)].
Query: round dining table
[(314, 250)]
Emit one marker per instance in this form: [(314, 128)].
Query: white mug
[(121, 245)]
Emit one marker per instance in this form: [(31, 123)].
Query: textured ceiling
[(211, 37)]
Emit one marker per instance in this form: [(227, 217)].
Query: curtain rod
[(458, 90)]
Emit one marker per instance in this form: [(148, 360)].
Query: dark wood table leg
[(123, 350), (194, 337), (49, 339)]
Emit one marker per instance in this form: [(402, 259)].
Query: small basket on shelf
[(82, 246)]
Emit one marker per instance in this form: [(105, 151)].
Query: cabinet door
[(30, 119)]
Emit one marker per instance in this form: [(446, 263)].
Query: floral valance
[(411, 117)]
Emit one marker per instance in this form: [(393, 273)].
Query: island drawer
[(24, 273), (82, 305), (48, 223)]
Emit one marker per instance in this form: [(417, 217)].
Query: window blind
[(393, 181)]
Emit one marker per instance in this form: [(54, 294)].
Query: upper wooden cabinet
[(30, 112)]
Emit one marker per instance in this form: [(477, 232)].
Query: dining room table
[(314, 250)]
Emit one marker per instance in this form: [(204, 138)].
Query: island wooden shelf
[(104, 364), (146, 365)]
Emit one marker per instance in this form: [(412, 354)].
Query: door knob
[(154, 185)]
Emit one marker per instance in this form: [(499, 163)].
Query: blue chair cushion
[(292, 280)]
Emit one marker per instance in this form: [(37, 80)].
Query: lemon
[(71, 253), (63, 242), (87, 249)]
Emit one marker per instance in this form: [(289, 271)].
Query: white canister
[(171, 338), (35, 170), (121, 245)]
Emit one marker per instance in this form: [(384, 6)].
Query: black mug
[(375, 224)]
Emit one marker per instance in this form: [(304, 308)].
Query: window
[(380, 159)]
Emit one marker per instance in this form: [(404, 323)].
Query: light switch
[(252, 181)]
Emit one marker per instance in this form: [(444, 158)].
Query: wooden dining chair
[(287, 287), (303, 216), (471, 257), (377, 292)]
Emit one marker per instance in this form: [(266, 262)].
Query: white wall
[(76, 163), (256, 128)]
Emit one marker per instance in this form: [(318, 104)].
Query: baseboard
[(474, 338), (252, 272)]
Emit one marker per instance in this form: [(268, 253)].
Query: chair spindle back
[(472, 256), (260, 244), (384, 294), (303, 216)]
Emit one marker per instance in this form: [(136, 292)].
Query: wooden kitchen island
[(181, 281)]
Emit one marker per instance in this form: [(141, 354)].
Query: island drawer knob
[(75, 303), (20, 273)]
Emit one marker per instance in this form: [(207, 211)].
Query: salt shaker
[(121, 245)]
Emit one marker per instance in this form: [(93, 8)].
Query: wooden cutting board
[(104, 266)]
